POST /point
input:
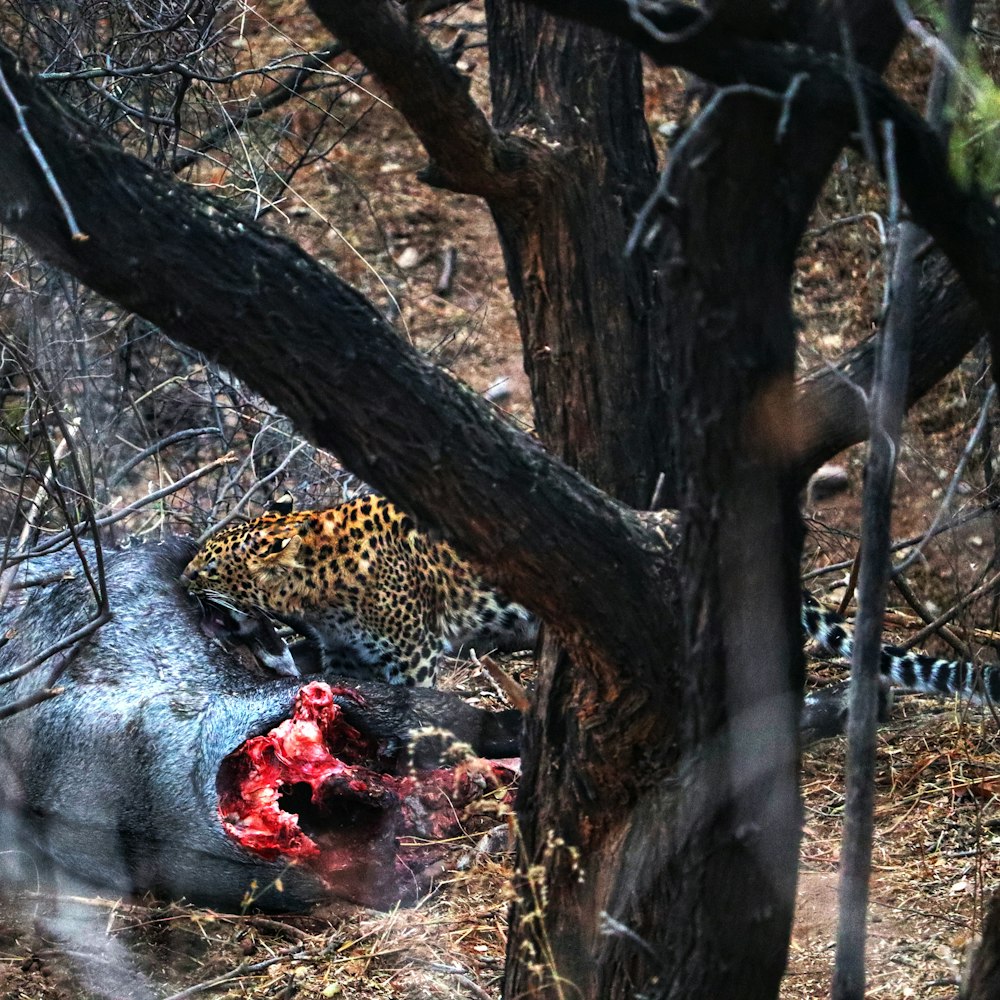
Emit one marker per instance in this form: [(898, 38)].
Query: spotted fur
[(904, 669), (363, 583)]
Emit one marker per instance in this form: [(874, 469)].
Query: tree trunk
[(982, 978), (646, 861), (588, 316)]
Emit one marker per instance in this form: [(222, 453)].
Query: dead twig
[(949, 495), (39, 157), (242, 970), (60, 538), (71, 643), (29, 701), (513, 692), (157, 446)]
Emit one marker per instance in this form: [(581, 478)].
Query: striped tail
[(904, 669)]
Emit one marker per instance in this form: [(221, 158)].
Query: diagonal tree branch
[(318, 349), (831, 407)]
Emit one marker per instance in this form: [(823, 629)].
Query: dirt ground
[(362, 210)]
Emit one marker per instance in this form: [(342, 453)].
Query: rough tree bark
[(727, 376), (982, 978), (645, 805), (589, 316)]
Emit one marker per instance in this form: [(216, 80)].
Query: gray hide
[(113, 782)]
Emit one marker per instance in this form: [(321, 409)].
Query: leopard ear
[(281, 551), (281, 503)]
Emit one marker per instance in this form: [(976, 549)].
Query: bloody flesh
[(315, 791)]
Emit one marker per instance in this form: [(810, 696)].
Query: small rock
[(827, 481), (410, 257), (500, 391)]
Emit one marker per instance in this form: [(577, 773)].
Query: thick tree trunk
[(589, 320), (717, 865), (588, 315), (699, 879)]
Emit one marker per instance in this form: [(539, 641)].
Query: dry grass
[(450, 944), (935, 858)]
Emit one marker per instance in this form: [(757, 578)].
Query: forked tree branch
[(466, 153), (965, 224)]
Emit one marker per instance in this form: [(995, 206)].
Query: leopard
[(901, 668), (376, 595)]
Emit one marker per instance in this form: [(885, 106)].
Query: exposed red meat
[(317, 792)]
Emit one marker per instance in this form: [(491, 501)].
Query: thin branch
[(685, 21), (244, 501), (289, 86), (848, 220), (66, 449), (65, 643), (39, 157), (901, 584), (59, 539), (956, 478), (853, 73), (942, 53), (888, 407), (98, 585), (43, 581), (905, 543), (29, 701), (158, 446), (983, 590)]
